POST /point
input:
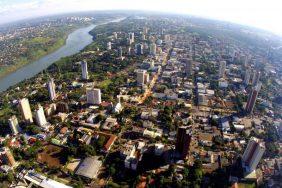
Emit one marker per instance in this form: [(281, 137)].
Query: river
[(75, 42)]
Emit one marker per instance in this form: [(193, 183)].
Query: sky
[(264, 14)]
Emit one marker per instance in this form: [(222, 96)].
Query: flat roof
[(89, 167)]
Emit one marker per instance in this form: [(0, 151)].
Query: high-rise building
[(109, 46), (139, 49), (93, 96), (153, 49), (247, 76), (252, 98), (51, 89), (141, 77), (152, 64), (143, 36), (40, 116), (222, 67), (233, 55), (7, 157), (146, 78), (84, 70), (246, 60), (62, 107), (50, 109), (115, 35), (131, 38), (183, 140), (188, 66), (145, 30), (120, 52), (253, 154), (256, 77), (25, 110), (14, 125), (129, 51)]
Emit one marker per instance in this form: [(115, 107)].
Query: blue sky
[(265, 14)]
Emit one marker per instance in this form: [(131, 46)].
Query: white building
[(222, 67), (93, 96), (25, 110), (109, 46), (84, 70), (14, 125), (115, 35), (35, 179), (40, 117), (118, 107), (51, 89), (253, 154)]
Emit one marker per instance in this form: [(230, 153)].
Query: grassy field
[(105, 83)]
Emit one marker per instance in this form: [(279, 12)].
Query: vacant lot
[(52, 155)]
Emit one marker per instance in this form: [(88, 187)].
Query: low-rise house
[(109, 123)]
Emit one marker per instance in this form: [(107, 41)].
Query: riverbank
[(76, 41), (39, 53)]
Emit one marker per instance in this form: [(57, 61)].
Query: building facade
[(183, 140), (93, 96), (25, 110), (51, 89), (253, 154), (14, 125)]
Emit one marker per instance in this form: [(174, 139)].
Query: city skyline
[(263, 14)]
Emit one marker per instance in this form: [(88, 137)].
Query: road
[(148, 91)]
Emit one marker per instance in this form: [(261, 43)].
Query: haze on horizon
[(264, 14)]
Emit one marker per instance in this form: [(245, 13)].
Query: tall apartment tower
[(222, 67), (51, 89), (120, 52), (62, 107), (145, 30), (153, 49), (115, 35), (14, 125), (188, 66), (139, 49), (131, 38), (247, 76), (84, 70), (93, 96), (246, 60), (252, 98), (7, 157), (141, 77), (40, 116), (183, 140), (256, 77), (25, 110), (253, 154), (109, 46)]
